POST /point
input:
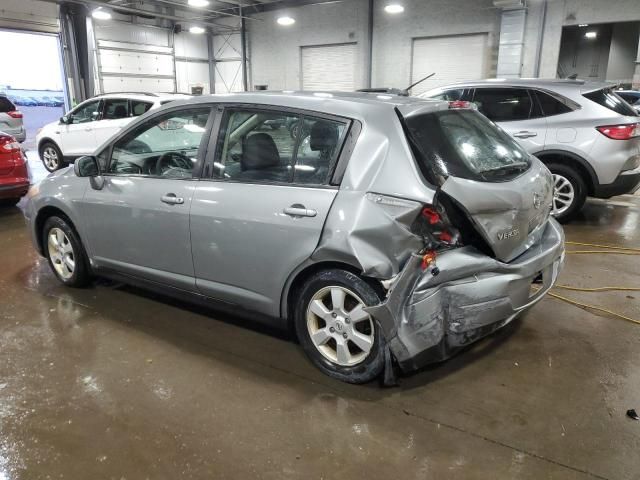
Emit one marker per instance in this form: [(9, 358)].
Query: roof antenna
[(405, 92), (573, 76)]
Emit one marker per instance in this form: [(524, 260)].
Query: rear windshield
[(6, 105), (609, 99), (464, 144)]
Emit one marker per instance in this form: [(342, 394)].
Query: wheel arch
[(45, 213), (582, 167), (46, 140), (297, 279)]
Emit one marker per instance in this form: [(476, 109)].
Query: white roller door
[(329, 67), (453, 58)]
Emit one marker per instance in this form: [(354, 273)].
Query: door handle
[(171, 199), (300, 211), (525, 134)]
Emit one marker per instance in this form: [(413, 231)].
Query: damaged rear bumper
[(428, 318)]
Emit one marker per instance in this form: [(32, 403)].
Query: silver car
[(386, 229), (583, 132), (11, 120)]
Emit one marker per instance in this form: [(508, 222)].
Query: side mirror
[(86, 167), (65, 119)]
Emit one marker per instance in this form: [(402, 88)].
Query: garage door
[(329, 67), (453, 59)]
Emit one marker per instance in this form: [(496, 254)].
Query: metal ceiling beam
[(185, 8), (143, 13), (282, 4)]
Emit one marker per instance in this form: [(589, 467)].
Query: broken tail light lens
[(620, 132), (434, 227)]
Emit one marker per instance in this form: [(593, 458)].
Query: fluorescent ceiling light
[(198, 3), (394, 8), (100, 14), (583, 25), (591, 35), (196, 30), (286, 21)]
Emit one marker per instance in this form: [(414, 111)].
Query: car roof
[(554, 84), (149, 97), (330, 102)]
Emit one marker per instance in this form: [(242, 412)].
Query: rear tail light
[(15, 114), (457, 104), (9, 144), (620, 132), (434, 227)]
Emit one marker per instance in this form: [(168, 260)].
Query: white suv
[(91, 123)]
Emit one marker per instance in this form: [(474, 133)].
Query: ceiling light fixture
[(198, 3), (583, 25), (286, 21), (591, 35), (394, 8), (196, 30), (100, 14)]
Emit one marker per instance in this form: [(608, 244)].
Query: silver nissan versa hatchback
[(387, 230)]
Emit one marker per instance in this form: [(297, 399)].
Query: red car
[(14, 174)]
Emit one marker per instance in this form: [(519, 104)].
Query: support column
[(76, 35), (636, 75)]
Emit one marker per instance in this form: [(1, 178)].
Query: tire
[(355, 364), (567, 182), (9, 202), (51, 157), (70, 247)]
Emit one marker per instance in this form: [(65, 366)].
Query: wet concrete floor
[(110, 382)]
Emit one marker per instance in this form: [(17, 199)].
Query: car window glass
[(318, 150), (138, 107), (450, 95), (167, 146), (609, 99), (503, 104), (256, 146), (115, 108), (86, 113), (6, 105), (551, 105)]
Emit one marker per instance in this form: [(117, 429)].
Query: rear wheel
[(66, 255), (569, 192), (338, 336), (51, 157)]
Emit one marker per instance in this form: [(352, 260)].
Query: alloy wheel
[(563, 194), (339, 327), (50, 158), (61, 253)]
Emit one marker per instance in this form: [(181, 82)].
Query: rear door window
[(504, 104), (553, 105), (115, 108), (6, 105), (464, 144), (451, 95), (139, 107), (609, 99)]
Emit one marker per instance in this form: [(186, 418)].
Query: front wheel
[(66, 255), (337, 335), (51, 157), (569, 192)]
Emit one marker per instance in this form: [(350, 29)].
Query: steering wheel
[(173, 160)]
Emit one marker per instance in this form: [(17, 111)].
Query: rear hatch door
[(504, 191)]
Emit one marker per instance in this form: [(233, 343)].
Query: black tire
[(371, 366), (47, 152), (81, 275), (9, 202), (579, 188)]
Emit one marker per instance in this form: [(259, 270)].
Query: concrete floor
[(113, 383)]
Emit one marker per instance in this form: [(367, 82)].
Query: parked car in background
[(583, 132), (350, 232), (26, 102), (632, 97), (11, 120), (14, 173), (92, 122), (52, 101)]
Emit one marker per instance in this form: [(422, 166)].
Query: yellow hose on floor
[(608, 249)]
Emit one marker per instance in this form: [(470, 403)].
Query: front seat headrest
[(120, 111), (259, 151), (324, 136)]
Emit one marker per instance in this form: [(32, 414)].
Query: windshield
[(464, 144)]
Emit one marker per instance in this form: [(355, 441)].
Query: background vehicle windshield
[(465, 144)]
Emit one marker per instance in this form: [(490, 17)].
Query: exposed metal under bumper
[(427, 318)]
